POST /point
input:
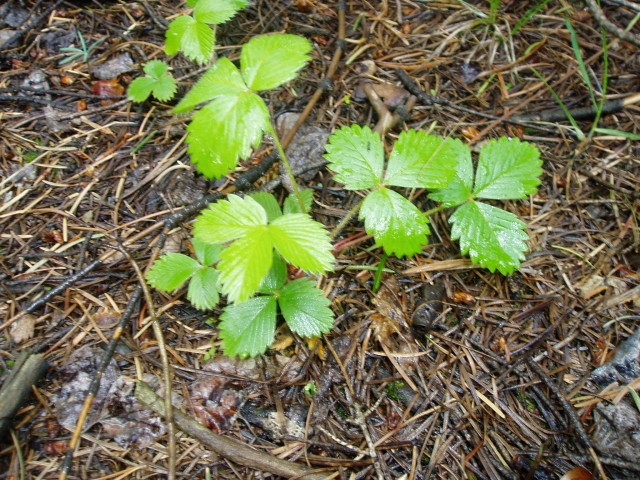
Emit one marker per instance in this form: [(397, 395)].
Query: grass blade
[(576, 52)]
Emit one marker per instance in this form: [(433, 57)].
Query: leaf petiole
[(347, 218), (428, 213), (285, 162)]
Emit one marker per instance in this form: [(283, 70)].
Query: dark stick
[(33, 101), (20, 33), (429, 100)]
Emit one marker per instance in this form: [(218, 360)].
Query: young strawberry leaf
[(305, 308), (291, 204), (194, 38), (302, 242), (227, 128), (491, 236), (357, 157), (269, 203), (395, 222), (276, 277), (170, 271), (217, 11), (244, 264), (507, 169), (206, 253), (203, 289), (247, 329), (229, 219), (223, 78), (424, 161), (158, 81), (459, 189), (268, 61)]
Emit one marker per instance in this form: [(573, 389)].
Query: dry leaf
[(23, 329)]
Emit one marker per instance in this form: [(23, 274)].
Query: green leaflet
[(190, 36), (305, 308), (244, 264), (223, 78), (171, 270), (203, 290), (459, 189), (269, 203), (397, 225), (229, 219), (419, 160), (216, 12), (225, 129), (247, 329), (206, 253), (268, 61), (492, 237), (302, 242), (507, 169), (357, 157), (291, 204)]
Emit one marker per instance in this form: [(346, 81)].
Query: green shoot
[(158, 81), (528, 15), (581, 65), (579, 133), (193, 35), (83, 51)]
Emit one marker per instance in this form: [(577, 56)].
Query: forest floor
[(470, 374)]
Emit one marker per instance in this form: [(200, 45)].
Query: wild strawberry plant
[(507, 169), (157, 81), (260, 240)]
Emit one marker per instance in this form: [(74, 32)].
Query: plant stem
[(435, 210), (378, 276), (347, 218), (285, 162)]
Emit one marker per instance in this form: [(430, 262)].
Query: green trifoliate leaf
[(244, 264), (172, 270), (227, 128), (291, 204), (229, 219), (195, 39), (276, 277), (491, 236), (217, 11), (247, 329), (507, 169), (459, 190), (268, 61), (269, 203), (305, 308), (223, 78), (158, 81), (397, 225), (206, 253), (302, 242), (357, 157), (424, 161), (203, 289)]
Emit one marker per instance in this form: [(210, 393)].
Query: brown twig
[(226, 447)]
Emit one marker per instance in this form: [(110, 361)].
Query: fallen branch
[(235, 451)]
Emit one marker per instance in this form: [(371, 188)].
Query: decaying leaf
[(23, 329)]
